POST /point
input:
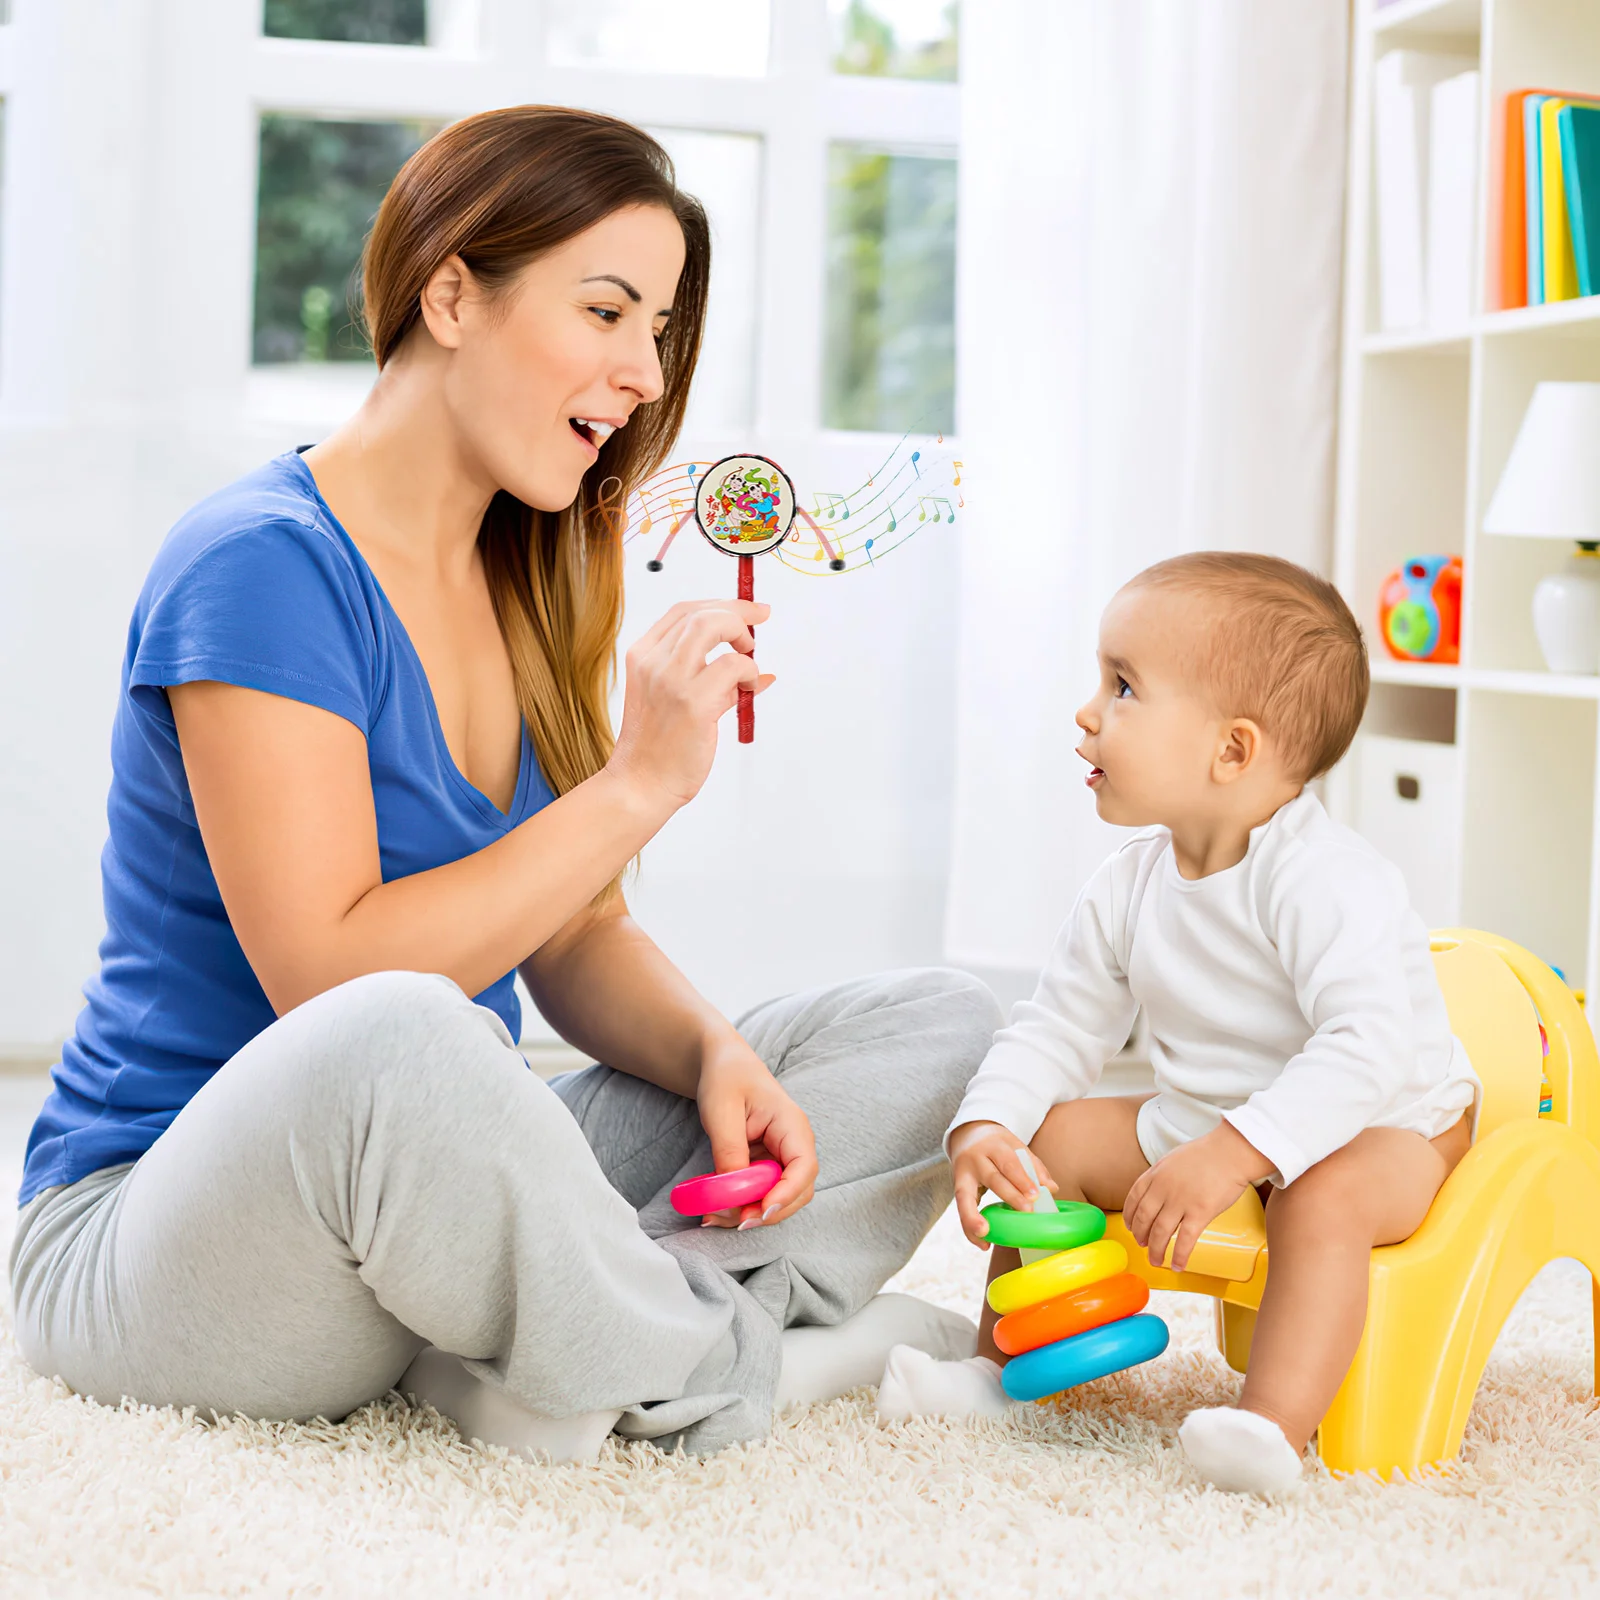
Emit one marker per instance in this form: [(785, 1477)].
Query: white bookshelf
[(1427, 419)]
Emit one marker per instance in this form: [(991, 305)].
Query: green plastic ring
[(1073, 1224)]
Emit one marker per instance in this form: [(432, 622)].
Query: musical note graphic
[(913, 487), (823, 546), (683, 515)]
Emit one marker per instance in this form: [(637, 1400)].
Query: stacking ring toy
[(1073, 1223), (1057, 1275), (721, 1191), (1071, 1314), (1090, 1355)]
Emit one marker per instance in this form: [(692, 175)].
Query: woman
[(362, 770)]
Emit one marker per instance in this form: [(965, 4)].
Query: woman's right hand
[(673, 696)]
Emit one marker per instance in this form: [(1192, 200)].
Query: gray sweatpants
[(379, 1171)]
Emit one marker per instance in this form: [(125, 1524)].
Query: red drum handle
[(747, 699)]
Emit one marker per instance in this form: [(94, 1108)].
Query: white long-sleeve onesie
[(1292, 994)]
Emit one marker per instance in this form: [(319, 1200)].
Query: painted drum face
[(745, 505)]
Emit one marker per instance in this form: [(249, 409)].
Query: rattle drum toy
[(745, 506), (722, 1191)]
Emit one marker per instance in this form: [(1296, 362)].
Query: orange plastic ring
[(1109, 1300)]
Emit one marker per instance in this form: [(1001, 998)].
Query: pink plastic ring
[(721, 1191)]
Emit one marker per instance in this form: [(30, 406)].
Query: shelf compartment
[(1412, 448), (1428, 21), (1527, 835), (1502, 573)]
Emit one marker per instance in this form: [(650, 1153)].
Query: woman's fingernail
[(749, 1222), (769, 1213)]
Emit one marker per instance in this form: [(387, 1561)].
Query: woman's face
[(540, 375)]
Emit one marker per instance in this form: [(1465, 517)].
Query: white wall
[(125, 395)]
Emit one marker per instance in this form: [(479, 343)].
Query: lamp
[(1550, 489)]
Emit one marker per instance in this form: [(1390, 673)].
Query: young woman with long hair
[(363, 773)]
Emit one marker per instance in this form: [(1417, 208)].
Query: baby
[(1297, 1030)]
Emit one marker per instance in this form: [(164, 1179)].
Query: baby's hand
[(1183, 1193), (983, 1155)]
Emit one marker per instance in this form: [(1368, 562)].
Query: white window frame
[(798, 109)]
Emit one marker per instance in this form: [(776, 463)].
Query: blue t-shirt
[(258, 586)]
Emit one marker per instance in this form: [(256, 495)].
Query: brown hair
[(498, 190), (1284, 650)]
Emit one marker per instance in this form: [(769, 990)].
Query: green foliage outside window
[(320, 187), (889, 357), (869, 43), (349, 21)]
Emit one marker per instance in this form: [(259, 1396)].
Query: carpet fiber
[(1086, 1500)]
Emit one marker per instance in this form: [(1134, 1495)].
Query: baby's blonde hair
[(1283, 650)]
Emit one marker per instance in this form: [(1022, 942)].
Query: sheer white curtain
[(1150, 226)]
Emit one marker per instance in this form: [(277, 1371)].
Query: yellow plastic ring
[(1057, 1274)]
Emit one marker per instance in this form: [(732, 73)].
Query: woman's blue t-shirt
[(258, 586)]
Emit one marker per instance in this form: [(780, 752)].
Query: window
[(321, 183), (889, 364), (351, 21), (895, 38), (715, 38), (723, 171), (832, 203)]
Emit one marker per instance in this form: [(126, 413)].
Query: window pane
[(352, 21), (723, 171), (720, 38), (321, 185), (895, 38), (889, 362)]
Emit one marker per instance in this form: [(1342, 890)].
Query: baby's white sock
[(824, 1363), (487, 1415), (1239, 1450), (915, 1385)]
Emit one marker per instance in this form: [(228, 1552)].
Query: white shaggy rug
[(1088, 1500)]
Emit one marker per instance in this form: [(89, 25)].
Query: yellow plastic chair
[(1526, 1193)]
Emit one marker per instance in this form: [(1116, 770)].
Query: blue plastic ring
[(1085, 1357)]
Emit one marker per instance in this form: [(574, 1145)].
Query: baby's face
[(1150, 731)]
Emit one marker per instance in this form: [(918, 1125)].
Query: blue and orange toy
[(1074, 1315), (1419, 610)]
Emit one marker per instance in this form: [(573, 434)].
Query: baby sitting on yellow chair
[(1297, 1029)]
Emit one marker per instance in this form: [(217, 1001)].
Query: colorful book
[(1533, 195), (1580, 158), (1513, 204), (1560, 265), (1521, 205)]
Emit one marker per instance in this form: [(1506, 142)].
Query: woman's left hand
[(749, 1117)]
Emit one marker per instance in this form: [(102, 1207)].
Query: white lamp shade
[(1550, 488)]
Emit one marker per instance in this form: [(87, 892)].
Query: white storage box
[(1408, 805)]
